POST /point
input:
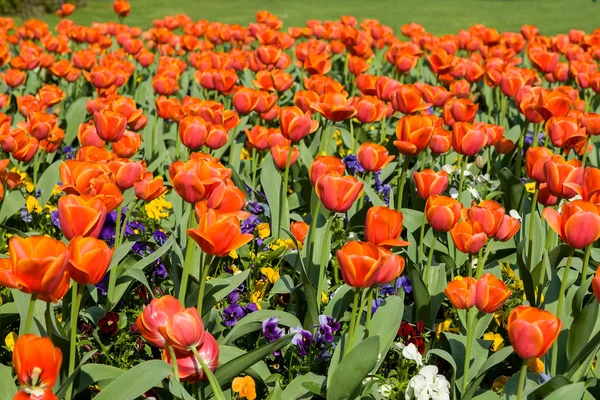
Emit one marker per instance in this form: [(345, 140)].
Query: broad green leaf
[(340, 302), (550, 386), (145, 376), (513, 189), (421, 295), (582, 329), (572, 391), (253, 322), (297, 389), (8, 388), (75, 116), (258, 370), (348, 376), (386, 322), (271, 182), (47, 181), (12, 203), (283, 285), (213, 293)]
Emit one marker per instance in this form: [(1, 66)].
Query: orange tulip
[(335, 106), (280, 155), (218, 234), (442, 212), (37, 265), (128, 145), (195, 179), (189, 368), (441, 141), (373, 157), (591, 123), (491, 294), (363, 264), (110, 125), (535, 159), (295, 124), (596, 284), (193, 131), (532, 331), (122, 7), (370, 109), (468, 237), (507, 228), (578, 224), (408, 100), (37, 364), (14, 78), (383, 227), (565, 132), (460, 110), (184, 330), (299, 230), (257, 137), (462, 292), (488, 213), (429, 182), (149, 188), (563, 177), (156, 316), (66, 9), (590, 188), (338, 193), (227, 199), (324, 164), (89, 260), (413, 134), (245, 100), (436, 95), (468, 140), (81, 215)]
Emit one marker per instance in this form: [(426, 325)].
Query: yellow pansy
[(25, 179), (233, 254), (264, 230), (245, 387), (156, 208), (245, 154), (270, 273), (33, 205), (535, 365), (9, 340), (56, 190), (530, 187), (445, 327), (278, 243), (496, 338), (324, 298)]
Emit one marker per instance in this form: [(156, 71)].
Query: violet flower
[(302, 339), (232, 314), (271, 330)]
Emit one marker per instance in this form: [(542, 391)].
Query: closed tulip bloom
[(362, 264), (413, 134), (195, 179), (507, 229), (189, 368), (127, 172), (591, 123), (488, 213), (42, 124), (193, 132), (280, 155), (565, 132), (14, 78), (373, 157), (245, 100), (468, 237), (89, 259), (467, 139), (532, 331), (37, 364), (299, 230), (219, 234), (429, 182), (436, 95), (155, 316), (442, 212), (257, 137), (590, 188), (122, 7), (149, 188), (227, 199), (370, 109), (295, 124), (37, 265), (383, 227), (578, 224), (110, 125), (128, 145), (441, 141), (462, 110), (408, 100), (462, 292), (81, 215), (563, 177), (535, 158), (183, 330), (596, 284), (324, 164), (491, 293), (338, 193)]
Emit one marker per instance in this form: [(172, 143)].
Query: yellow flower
[(25, 179), (245, 154), (59, 317), (245, 387), (535, 365), (33, 205), (324, 298), (56, 191), (499, 383), (233, 254), (270, 273), (263, 230), (372, 128), (445, 327), (156, 208), (530, 187), (496, 338), (9, 340), (277, 244)]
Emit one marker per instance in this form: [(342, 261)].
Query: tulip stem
[(204, 268), (214, 384), (112, 277), (532, 223), (482, 260), (586, 261), (322, 139), (430, 258), (559, 307), (76, 293), (36, 167), (324, 261), (369, 311), (585, 153), (48, 320), (461, 181), (284, 187), (189, 258), (174, 360), (522, 376), (30, 314), (421, 238), (254, 162), (401, 181), (520, 149), (351, 333), (471, 324), (383, 131)]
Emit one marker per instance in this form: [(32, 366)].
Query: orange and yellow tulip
[(442, 212), (491, 293), (578, 224), (338, 193), (89, 259), (532, 331), (81, 215), (219, 234), (462, 292)]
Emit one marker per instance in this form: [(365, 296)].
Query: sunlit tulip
[(183, 330), (462, 292), (363, 264), (121, 7), (442, 212), (532, 331), (280, 155), (563, 177), (508, 227), (461, 110), (413, 134), (128, 145), (373, 157), (81, 215), (578, 224), (188, 366), (37, 365), (370, 109), (324, 164), (383, 227), (195, 179), (565, 132), (219, 234), (491, 293), (338, 193), (89, 259), (408, 100), (295, 124), (468, 140), (468, 237), (299, 230), (591, 123), (429, 183), (488, 213), (155, 316), (110, 125), (596, 284)]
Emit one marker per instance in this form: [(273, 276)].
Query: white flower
[(428, 384), (398, 346), (385, 390), (474, 193), (449, 169), (515, 214), (410, 352), (454, 193)]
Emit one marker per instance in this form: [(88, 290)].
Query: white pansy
[(515, 214), (410, 352), (449, 169), (398, 346), (385, 390), (474, 193), (454, 193), (428, 384)]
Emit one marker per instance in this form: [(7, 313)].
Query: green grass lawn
[(438, 16)]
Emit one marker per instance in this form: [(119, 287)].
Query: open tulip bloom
[(198, 210)]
